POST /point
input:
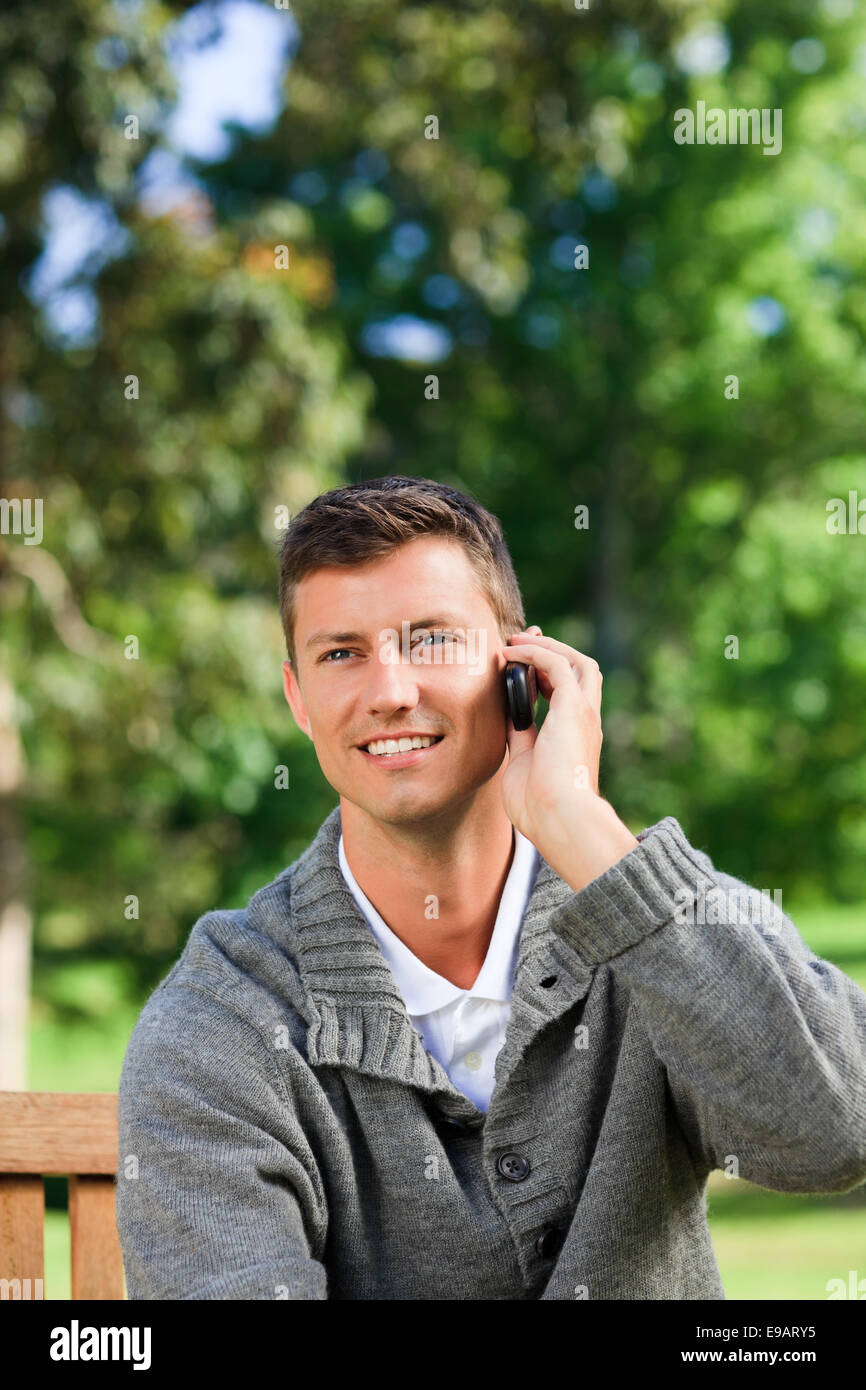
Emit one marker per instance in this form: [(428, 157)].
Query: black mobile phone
[(521, 689)]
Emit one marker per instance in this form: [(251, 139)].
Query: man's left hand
[(550, 788)]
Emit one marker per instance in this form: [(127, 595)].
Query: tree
[(166, 452), (504, 189)]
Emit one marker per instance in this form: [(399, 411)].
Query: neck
[(437, 883)]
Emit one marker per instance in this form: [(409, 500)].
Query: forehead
[(428, 577), (433, 566)]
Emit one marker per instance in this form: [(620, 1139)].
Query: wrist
[(584, 838)]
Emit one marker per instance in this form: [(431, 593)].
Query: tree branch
[(54, 589)]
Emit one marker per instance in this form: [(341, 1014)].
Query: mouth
[(401, 751)]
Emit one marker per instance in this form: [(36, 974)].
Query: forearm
[(764, 1045)]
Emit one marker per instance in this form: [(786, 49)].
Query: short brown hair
[(363, 521)]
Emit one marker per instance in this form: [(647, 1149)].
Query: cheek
[(328, 723), (482, 711)]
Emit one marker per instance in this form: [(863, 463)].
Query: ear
[(295, 699)]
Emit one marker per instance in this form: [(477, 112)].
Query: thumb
[(520, 740)]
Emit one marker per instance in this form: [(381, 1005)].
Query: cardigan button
[(513, 1166), (549, 1243)]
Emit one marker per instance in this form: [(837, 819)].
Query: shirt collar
[(422, 988)]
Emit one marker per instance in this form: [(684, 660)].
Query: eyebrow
[(322, 638)]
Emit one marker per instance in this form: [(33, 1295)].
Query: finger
[(519, 740), (586, 670), (584, 664), (554, 671)]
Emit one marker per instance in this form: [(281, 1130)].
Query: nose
[(391, 686)]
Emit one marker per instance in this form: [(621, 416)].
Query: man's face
[(345, 694)]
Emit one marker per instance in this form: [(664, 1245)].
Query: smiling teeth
[(400, 745)]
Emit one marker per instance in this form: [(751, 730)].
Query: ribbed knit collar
[(358, 1017)]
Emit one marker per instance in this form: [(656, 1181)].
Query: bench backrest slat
[(68, 1135), (55, 1133), (22, 1222)]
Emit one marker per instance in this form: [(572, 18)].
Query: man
[(479, 1041)]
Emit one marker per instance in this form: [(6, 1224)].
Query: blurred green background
[(171, 393)]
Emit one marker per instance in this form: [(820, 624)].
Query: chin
[(407, 808)]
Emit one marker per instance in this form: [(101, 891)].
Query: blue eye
[(438, 638)]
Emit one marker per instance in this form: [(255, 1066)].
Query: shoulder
[(236, 980)]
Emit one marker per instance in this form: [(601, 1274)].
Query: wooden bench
[(51, 1134)]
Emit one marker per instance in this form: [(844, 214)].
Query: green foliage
[(258, 389)]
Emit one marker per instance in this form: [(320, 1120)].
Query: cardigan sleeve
[(218, 1193), (764, 1044)]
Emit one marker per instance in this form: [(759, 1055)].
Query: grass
[(57, 1255), (772, 1245), (769, 1245), (85, 1056)]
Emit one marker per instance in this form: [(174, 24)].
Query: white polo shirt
[(462, 1028)]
